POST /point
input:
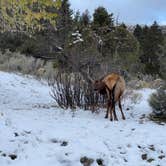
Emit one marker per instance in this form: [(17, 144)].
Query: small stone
[(86, 161), (144, 156), (12, 156), (64, 143), (125, 160), (151, 147), (4, 154), (54, 140), (150, 160), (16, 134), (161, 157), (99, 161)]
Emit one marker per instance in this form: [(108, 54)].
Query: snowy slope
[(40, 134)]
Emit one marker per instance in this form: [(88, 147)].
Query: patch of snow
[(40, 134), (77, 37)]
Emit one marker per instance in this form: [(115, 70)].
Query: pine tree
[(138, 32), (76, 20), (102, 18), (123, 25), (151, 42), (162, 60), (65, 21), (85, 18)]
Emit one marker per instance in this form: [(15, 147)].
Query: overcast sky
[(128, 11)]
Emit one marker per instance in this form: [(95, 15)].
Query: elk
[(113, 85)]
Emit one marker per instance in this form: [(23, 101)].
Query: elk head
[(99, 86)]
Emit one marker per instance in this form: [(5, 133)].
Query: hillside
[(35, 132)]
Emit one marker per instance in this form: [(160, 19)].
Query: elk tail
[(113, 93)]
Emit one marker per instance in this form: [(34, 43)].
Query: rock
[(16, 134), (150, 160), (125, 160), (85, 161), (54, 140), (4, 154), (144, 156), (99, 161), (12, 156), (64, 143), (151, 147), (161, 157)]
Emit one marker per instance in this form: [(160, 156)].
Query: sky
[(127, 11)]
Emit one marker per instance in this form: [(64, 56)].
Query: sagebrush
[(158, 102)]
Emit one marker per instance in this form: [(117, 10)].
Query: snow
[(40, 133), (77, 37)]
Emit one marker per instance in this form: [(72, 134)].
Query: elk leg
[(120, 106), (115, 116), (108, 106), (113, 105), (111, 110), (108, 103)]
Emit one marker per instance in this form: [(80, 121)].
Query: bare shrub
[(71, 91)]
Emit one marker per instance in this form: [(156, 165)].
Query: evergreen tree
[(162, 60), (138, 32), (65, 21), (151, 42), (76, 20), (102, 18), (85, 18), (123, 25)]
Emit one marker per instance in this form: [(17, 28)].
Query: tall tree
[(102, 18), (151, 43), (162, 59), (85, 18), (76, 20), (138, 32), (65, 21)]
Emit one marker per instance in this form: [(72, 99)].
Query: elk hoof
[(106, 117), (111, 119), (123, 118)]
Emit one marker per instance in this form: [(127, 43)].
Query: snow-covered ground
[(42, 135)]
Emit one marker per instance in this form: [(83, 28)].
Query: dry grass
[(16, 62)]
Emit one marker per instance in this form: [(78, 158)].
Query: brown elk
[(113, 85)]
